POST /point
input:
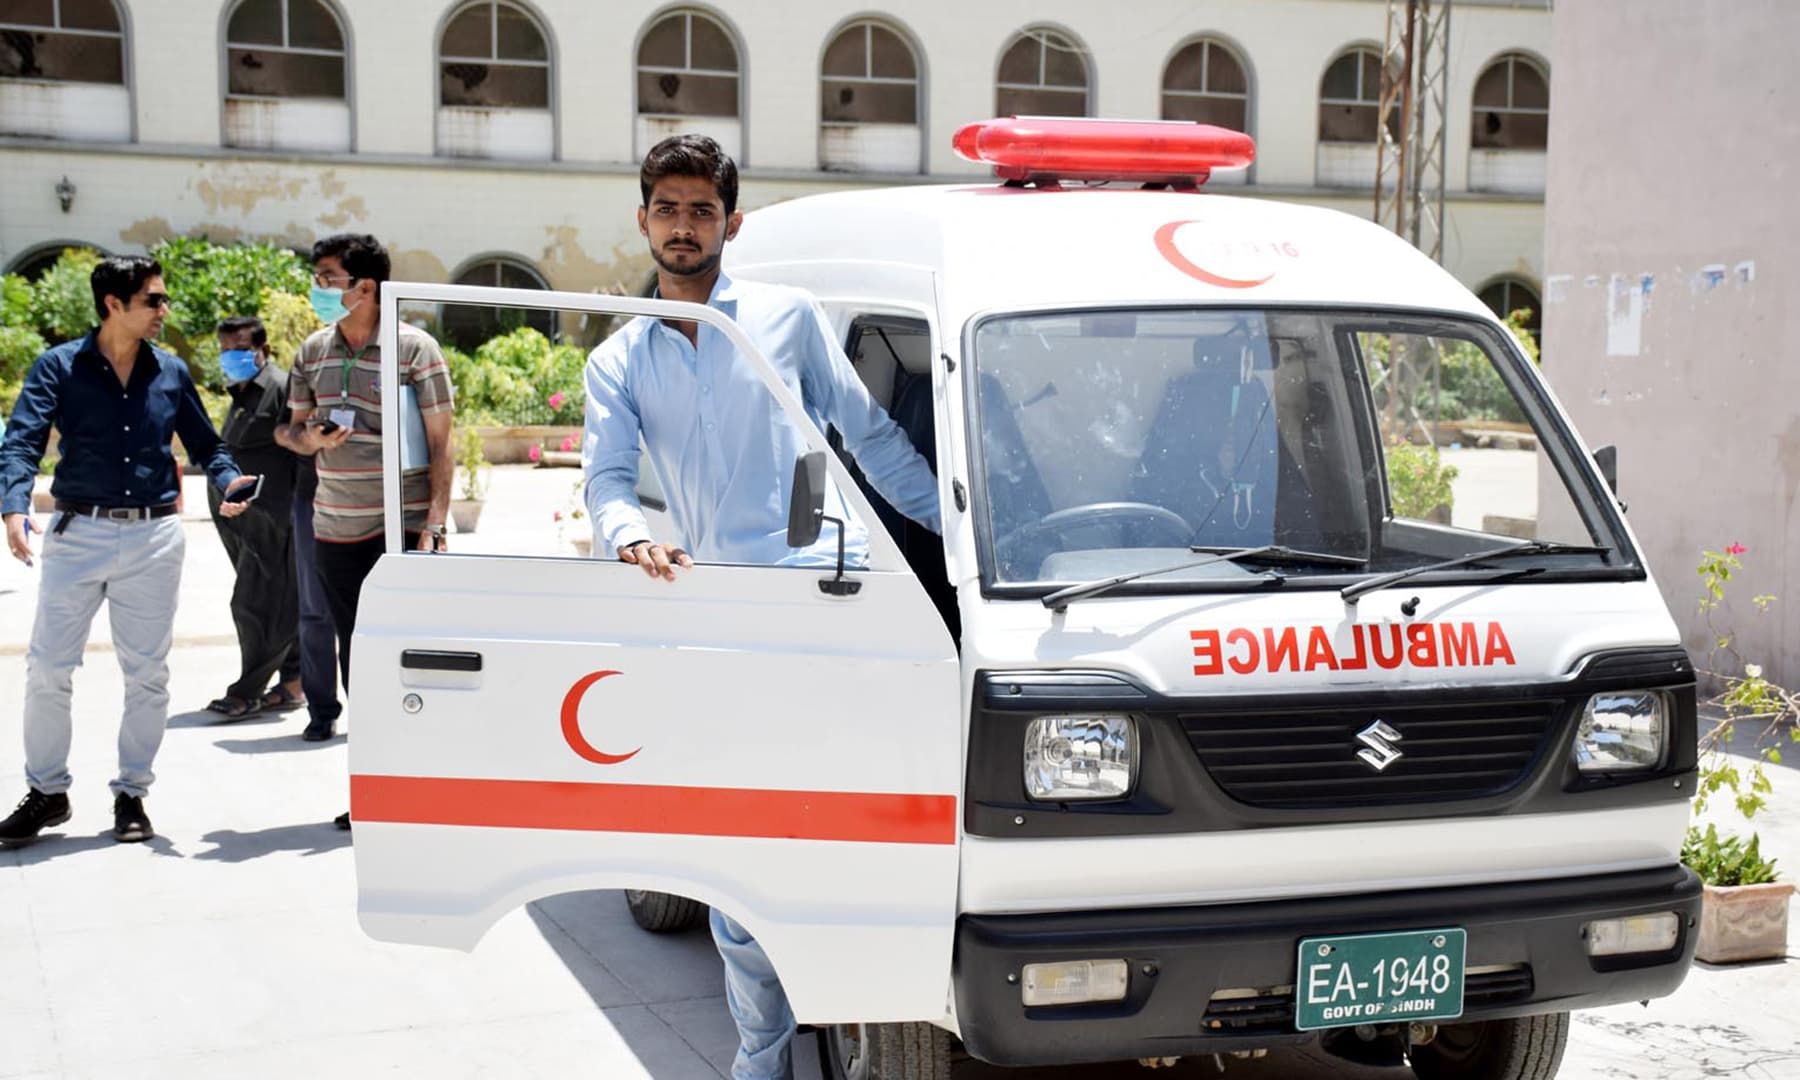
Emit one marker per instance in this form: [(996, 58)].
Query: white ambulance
[(1286, 672)]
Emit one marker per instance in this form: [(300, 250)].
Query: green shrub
[(209, 283), (289, 318), (62, 301), (1418, 480), (19, 346), (518, 378), (1726, 861), (15, 301)]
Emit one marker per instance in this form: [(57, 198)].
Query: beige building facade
[(490, 140)]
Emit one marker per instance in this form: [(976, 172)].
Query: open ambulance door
[(529, 726)]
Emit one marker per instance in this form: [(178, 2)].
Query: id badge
[(345, 418)]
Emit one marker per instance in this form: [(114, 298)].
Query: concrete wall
[(1673, 249), (572, 215)]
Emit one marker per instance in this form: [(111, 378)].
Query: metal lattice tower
[(1409, 169)]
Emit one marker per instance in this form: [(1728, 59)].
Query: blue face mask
[(328, 303), (239, 365)]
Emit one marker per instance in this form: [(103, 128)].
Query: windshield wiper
[(1059, 599), (1351, 593)]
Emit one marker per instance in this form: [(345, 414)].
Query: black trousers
[(265, 601), (342, 569)]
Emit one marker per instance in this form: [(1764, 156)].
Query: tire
[(661, 913), (1525, 1048), (915, 1051)]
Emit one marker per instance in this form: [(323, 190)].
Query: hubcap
[(849, 1057)]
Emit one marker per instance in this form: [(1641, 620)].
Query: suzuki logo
[(1379, 739)]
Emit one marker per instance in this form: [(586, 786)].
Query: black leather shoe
[(342, 821), (130, 824), (37, 811), (319, 730)]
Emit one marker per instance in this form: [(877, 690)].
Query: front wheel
[(912, 1051), (661, 913), (1524, 1048)]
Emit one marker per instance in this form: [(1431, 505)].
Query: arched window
[(869, 101), (1510, 127), (1512, 106), (467, 326), (1503, 296), (1349, 119), (32, 263), (1043, 72), (1206, 82), (494, 84), (1350, 98), (689, 79), (285, 76), (78, 45)]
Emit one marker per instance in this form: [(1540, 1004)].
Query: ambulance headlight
[(1080, 757), (1622, 731)]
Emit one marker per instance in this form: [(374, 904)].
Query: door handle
[(439, 660)]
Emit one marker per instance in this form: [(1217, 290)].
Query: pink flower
[(556, 515), (568, 443), (557, 399), (1736, 549), (536, 453)]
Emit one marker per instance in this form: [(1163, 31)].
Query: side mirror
[(806, 506), (1607, 457)]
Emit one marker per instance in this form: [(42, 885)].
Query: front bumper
[(1215, 979)]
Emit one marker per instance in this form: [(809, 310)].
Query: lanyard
[(350, 361)]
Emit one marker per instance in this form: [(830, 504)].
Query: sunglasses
[(156, 300)]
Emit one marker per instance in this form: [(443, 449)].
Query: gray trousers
[(136, 567)]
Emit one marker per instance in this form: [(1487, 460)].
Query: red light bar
[(1043, 149)]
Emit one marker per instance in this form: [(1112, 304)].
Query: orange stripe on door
[(860, 817)]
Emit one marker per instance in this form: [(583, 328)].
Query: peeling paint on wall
[(416, 264), (1624, 316), (147, 231)]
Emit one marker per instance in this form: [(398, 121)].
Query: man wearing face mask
[(334, 395), (259, 542)]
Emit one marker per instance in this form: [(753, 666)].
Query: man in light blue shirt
[(725, 454)]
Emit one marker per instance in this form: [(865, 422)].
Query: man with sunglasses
[(117, 401)]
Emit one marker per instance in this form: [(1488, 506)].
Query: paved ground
[(228, 947)]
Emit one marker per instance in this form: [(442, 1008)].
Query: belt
[(115, 513)]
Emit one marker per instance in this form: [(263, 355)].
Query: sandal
[(233, 708), (281, 699)]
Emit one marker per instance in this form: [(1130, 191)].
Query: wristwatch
[(438, 530)]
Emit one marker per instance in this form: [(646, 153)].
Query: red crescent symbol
[(1165, 243), (571, 723)]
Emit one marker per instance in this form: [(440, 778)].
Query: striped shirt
[(328, 375)]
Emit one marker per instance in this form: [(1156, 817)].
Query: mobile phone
[(325, 425), (247, 493)]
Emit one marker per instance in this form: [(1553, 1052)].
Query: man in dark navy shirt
[(117, 400)]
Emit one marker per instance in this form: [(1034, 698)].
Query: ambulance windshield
[(1113, 441)]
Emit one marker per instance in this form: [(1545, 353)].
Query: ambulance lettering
[(1388, 646)]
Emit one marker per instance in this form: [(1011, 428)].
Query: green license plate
[(1379, 978)]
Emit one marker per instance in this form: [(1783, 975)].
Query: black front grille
[(1253, 1012), (1308, 759)]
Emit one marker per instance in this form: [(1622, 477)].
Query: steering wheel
[(1180, 533)]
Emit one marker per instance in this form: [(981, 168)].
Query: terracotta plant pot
[(584, 545), (1744, 922), (465, 513)]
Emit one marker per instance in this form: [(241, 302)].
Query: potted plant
[(465, 511), (1744, 912), (572, 523)]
